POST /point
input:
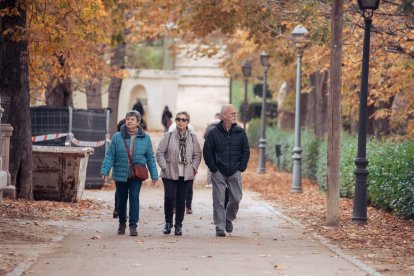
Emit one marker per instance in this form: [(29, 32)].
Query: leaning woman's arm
[(109, 158), (152, 165)]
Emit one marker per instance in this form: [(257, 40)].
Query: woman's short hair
[(133, 113), (183, 113)]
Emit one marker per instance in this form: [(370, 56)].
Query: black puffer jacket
[(226, 151)]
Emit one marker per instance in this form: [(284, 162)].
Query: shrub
[(390, 179), (310, 151), (391, 165), (253, 132)]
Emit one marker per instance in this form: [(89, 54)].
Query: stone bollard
[(5, 133), (9, 190)]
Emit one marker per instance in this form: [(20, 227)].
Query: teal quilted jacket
[(117, 156)]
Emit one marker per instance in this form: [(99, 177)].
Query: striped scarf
[(182, 158)]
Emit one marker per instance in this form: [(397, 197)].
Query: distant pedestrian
[(178, 155), (131, 143), (166, 118), (138, 107), (115, 213), (226, 153)]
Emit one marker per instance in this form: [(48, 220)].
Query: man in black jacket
[(226, 152)]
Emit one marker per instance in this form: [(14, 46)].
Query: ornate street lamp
[(247, 72), (264, 60), (300, 39), (359, 213)]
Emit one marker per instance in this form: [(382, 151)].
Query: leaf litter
[(385, 243)]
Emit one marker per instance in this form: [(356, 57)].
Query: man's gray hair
[(225, 107)]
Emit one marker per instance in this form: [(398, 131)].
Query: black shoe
[(115, 214), (178, 231), (220, 233), (121, 229), (167, 228), (188, 211), (133, 231), (229, 226)]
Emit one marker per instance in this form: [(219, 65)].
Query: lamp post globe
[(359, 212), (300, 39), (368, 4), (247, 72), (264, 60)]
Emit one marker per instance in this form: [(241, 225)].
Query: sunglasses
[(181, 120)]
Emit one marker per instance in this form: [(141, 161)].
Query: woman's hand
[(154, 181)]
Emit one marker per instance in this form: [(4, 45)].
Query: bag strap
[(126, 147)]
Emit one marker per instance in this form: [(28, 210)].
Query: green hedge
[(391, 165)]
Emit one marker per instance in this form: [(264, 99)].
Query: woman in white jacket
[(178, 155)]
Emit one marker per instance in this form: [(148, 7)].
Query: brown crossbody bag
[(138, 172)]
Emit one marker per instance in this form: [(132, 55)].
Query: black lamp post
[(247, 72), (359, 213), (264, 60), (300, 39)]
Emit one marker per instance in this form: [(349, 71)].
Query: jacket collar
[(234, 127), (125, 134)]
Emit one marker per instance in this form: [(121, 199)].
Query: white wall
[(161, 89)]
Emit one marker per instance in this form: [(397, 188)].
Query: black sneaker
[(167, 228), (133, 231), (178, 230), (220, 233), (229, 226), (121, 229), (115, 214)]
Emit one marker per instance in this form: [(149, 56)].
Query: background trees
[(80, 45)]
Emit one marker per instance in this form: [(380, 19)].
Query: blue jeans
[(123, 189)]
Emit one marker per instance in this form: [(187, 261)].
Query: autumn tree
[(15, 84), (268, 25)]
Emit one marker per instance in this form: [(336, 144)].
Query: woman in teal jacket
[(140, 147)]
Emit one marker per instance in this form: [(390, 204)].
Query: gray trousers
[(234, 185)]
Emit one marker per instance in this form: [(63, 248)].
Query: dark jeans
[(130, 189), (116, 200), (189, 198), (175, 191)]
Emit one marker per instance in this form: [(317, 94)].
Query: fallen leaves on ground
[(49, 210), (386, 242)]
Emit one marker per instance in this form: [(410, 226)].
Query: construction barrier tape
[(48, 137), (94, 144)]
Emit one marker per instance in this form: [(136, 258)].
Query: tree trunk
[(117, 62), (59, 89), (93, 94), (334, 115), (15, 84)]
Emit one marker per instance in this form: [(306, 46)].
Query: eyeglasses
[(181, 120)]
